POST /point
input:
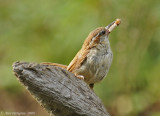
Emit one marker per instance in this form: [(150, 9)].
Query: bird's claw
[(80, 77)]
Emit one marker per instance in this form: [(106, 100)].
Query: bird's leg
[(91, 86)]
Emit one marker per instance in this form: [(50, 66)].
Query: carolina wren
[(94, 59)]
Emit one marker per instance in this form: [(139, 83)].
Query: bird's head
[(100, 35)]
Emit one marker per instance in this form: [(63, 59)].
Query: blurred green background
[(54, 30)]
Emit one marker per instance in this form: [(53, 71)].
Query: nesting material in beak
[(111, 26)]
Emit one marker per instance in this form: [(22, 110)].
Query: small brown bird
[(94, 59)]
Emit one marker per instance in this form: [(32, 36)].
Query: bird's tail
[(55, 64)]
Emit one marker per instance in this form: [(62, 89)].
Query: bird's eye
[(102, 32)]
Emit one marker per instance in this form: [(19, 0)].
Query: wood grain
[(59, 91)]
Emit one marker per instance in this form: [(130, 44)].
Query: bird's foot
[(80, 76)]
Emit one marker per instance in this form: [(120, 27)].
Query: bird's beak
[(107, 27), (114, 24)]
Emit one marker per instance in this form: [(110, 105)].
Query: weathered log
[(59, 91)]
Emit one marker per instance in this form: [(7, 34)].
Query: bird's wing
[(82, 54), (78, 60)]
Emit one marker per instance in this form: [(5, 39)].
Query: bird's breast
[(97, 65)]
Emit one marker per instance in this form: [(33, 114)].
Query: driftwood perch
[(59, 91)]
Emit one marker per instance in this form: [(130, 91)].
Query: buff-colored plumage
[(81, 55), (94, 59)]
